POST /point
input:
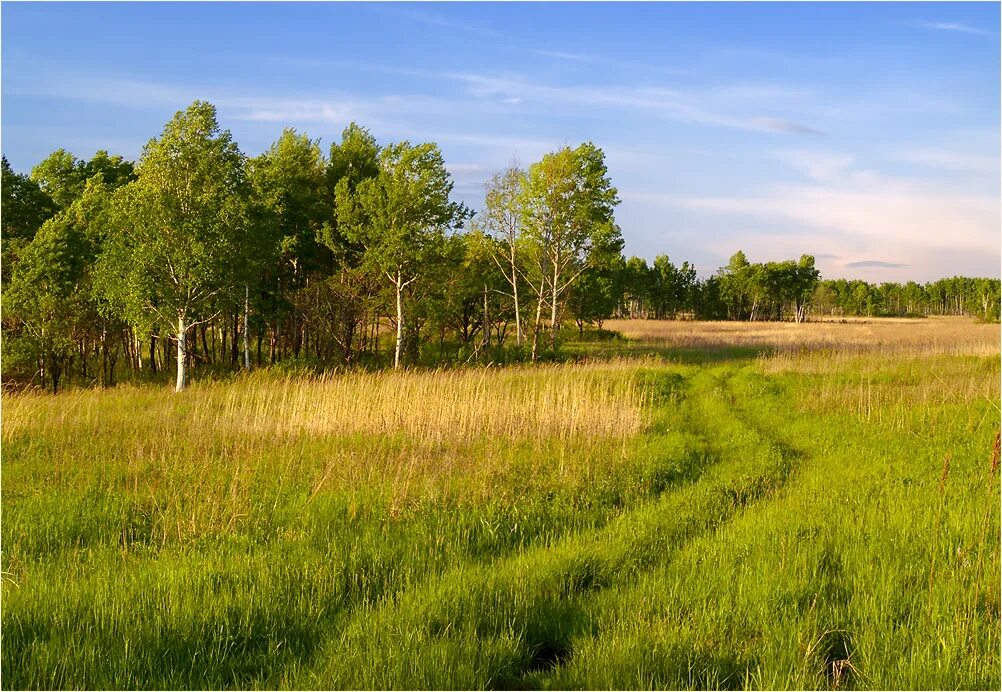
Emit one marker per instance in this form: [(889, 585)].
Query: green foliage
[(351, 162), (767, 291), (401, 215), (178, 247), (593, 299), (50, 295), (954, 296), (294, 255), (400, 218), (567, 203), (289, 183), (63, 177), (25, 207)]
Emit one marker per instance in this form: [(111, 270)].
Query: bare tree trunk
[(182, 353), (487, 323), (539, 320), (276, 335), (553, 306), (132, 350), (234, 343), (246, 330), (400, 320), (205, 346), (104, 356), (56, 371), (514, 292)]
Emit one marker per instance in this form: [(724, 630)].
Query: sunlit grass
[(888, 336), (781, 516)]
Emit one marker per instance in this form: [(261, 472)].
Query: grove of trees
[(198, 256)]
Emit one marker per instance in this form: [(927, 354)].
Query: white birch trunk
[(553, 303), (539, 319), (514, 292), (400, 320), (182, 351), (246, 329)]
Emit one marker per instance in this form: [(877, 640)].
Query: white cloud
[(433, 19), (890, 211), (560, 55), (724, 107), (956, 27), (952, 160), (590, 59), (817, 165)]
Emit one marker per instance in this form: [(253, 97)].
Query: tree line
[(199, 256), (788, 290)]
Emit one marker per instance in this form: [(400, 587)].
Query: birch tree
[(182, 230), (24, 207), (290, 189), (399, 218), (804, 282), (502, 220), (49, 293), (63, 177), (568, 206)]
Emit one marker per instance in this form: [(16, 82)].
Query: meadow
[(685, 505)]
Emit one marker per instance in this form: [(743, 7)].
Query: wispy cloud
[(249, 104), (822, 166), (592, 59), (328, 64), (782, 126), (724, 107), (894, 211), (952, 160), (522, 146), (930, 234), (560, 55), (954, 26), (865, 264), (930, 229), (434, 19)]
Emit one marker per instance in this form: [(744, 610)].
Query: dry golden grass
[(516, 403), (933, 335), (563, 401), (198, 457)]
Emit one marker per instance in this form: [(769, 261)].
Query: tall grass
[(772, 521), (884, 336), (555, 401)]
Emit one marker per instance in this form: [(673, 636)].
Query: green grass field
[(819, 518)]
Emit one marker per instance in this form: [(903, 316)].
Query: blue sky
[(866, 134)]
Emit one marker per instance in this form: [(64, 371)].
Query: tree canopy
[(198, 256)]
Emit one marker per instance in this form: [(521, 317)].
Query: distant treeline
[(199, 256), (788, 290)]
